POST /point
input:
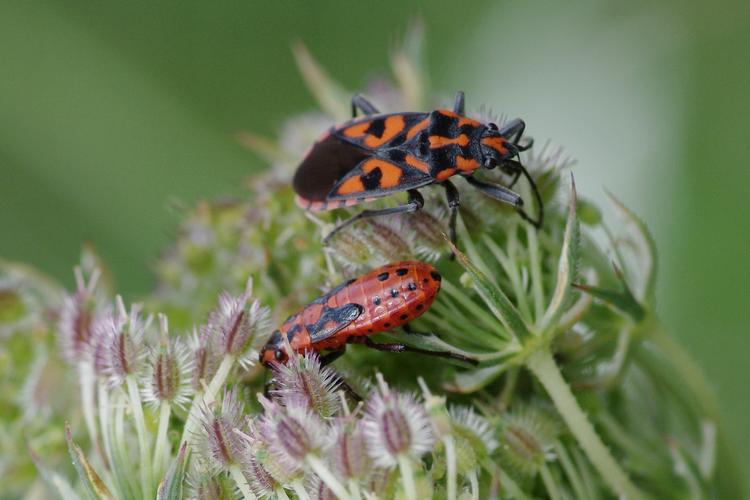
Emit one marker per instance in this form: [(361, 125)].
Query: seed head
[(234, 327), (77, 316), (302, 380), (318, 489), (220, 445), (395, 424), (527, 434), (291, 432), (203, 359), (119, 345), (475, 438), (348, 453), (168, 373)]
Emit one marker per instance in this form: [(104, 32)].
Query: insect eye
[(490, 162), (492, 126), (279, 355)]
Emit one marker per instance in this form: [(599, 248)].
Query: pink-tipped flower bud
[(167, 377), (291, 432), (304, 381), (120, 347), (235, 328), (395, 424), (220, 445)]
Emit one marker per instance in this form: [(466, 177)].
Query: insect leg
[(361, 103), (458, 103), (451, 193), (406, 348), (415, 202), (505, 195), (520, 169), (516, 176), (513, 131)]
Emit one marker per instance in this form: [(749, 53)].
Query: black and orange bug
[(383, 299), (380, 154)]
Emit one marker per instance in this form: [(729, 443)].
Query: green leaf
[(55, 481), (566, 267), (623, 300), (646, 248), (170, 488), (473, 380), (94, 485), (331, 96), (496, 300)]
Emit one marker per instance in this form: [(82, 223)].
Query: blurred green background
[(113, 112)]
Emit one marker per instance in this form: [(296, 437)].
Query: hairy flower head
[(77, 316), (120, 348), (234, 327), (291, 432), (395, 424), (303, 380), (219, 444), (167, 377)]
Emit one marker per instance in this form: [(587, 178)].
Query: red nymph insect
[(383, 299), (380, 154)]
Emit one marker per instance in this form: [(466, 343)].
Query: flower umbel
[(168, 373), (541, 309), (291, 433), (234, 327), (120, 338), (77, 316), (395, 425), (304, 382), (221, 446)]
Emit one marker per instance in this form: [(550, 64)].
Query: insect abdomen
[(391, 296)]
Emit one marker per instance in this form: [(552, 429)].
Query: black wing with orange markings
[(381, 132), (375, 177), (368, 157)]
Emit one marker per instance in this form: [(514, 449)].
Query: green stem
[(281, 494), (87, 382), (570, 471), (549, 482), (300, 490), (241, 482), (506, 481), (450, 460), (209, 395), (354, 489), (121, 450), (407, 477), (509, 388), (543, 366), (104, 418), (140, 429), (105, 427), (474, 482), (327, 477), (537, 287), (161, 451)]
